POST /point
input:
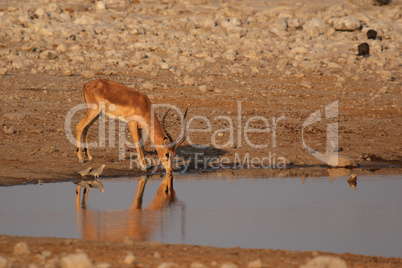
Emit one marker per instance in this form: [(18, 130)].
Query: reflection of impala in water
[(134, 222)]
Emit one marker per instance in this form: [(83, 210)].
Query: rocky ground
[(56, 252), (276, 61)]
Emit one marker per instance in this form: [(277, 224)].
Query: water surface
[(275, 213)]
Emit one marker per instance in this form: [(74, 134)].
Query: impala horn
[(182, 138), (164, 128), (185, 134)]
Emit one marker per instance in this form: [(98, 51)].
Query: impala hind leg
[(82, 130), (139, 144)]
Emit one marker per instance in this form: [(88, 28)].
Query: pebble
[(14, 116), (167, 265), (339, 161), (3, 262), (87, 74), (255, 264), (79, 260), (347, 24), (21, 248), (203, 88), (229, 265), (325, 261), (197, 265), (129, 259)]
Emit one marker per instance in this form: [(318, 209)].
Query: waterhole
[(302, 214)]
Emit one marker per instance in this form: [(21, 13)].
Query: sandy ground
[(35, 108)]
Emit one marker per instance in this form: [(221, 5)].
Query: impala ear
[(165, 141)]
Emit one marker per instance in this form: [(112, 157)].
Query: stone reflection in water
[(135, 222), (343, 172)]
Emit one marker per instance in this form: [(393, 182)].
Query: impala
[(118, 101)]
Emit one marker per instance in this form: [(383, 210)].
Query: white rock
[(339, 161), (314, 28), (147, 85), (21, 248), (255, 264), (294, 23), (80, 260), (14, 116), (39, 12), (167, 265), (87, 74), (230, 54), (48, 54), (3, 263), (67, 71), (325, 261), (129, 259), (100, 6), (197, 265), (203, 88), (229, 265), (346, 24), (188, 81)]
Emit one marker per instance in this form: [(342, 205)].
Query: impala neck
[(156, 134)]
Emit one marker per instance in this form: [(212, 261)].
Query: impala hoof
[(145, 168), (82, 161)]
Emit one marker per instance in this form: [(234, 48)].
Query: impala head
[(169, 145)]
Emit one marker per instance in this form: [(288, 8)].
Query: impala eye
[(167, 156)]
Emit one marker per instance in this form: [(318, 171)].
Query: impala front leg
[(139, 144)]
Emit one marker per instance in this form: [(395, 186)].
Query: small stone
[(48, 54), (147, 85), (229, 265), (103, 265), (45, 254), (21, 248), (203, 88), (100, 6), (14, 116), (157, 255), (255, 264), (230, 54), (3, 71), (87, 74), (197, 265), (129, 259), (80, 260), (338, 161), (67, 71), (371, 34), (167, 265), (384, 90), (325, 261), (347, 24), (128, 241), (3, 262), (381, 2), (363, 49), (188, 81)]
